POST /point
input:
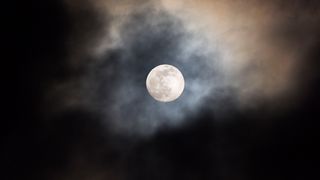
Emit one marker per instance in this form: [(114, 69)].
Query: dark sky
[(79, 109)]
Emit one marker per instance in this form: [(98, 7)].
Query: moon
[(165, 83)]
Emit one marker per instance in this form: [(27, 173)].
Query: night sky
[(79, 108)]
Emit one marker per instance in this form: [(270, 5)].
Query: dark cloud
[(79, 114), (114, 83)]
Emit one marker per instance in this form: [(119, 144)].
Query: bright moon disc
[(165, 83)]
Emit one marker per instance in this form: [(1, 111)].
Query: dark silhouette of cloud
[(81, 111)]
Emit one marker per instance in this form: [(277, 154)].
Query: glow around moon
[(165, 83)]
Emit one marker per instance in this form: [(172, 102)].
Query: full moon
[(165, 83)]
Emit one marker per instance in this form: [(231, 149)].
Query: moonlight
[(165, 83)]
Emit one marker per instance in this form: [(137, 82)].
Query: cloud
[(82, 102), (234, 56)]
